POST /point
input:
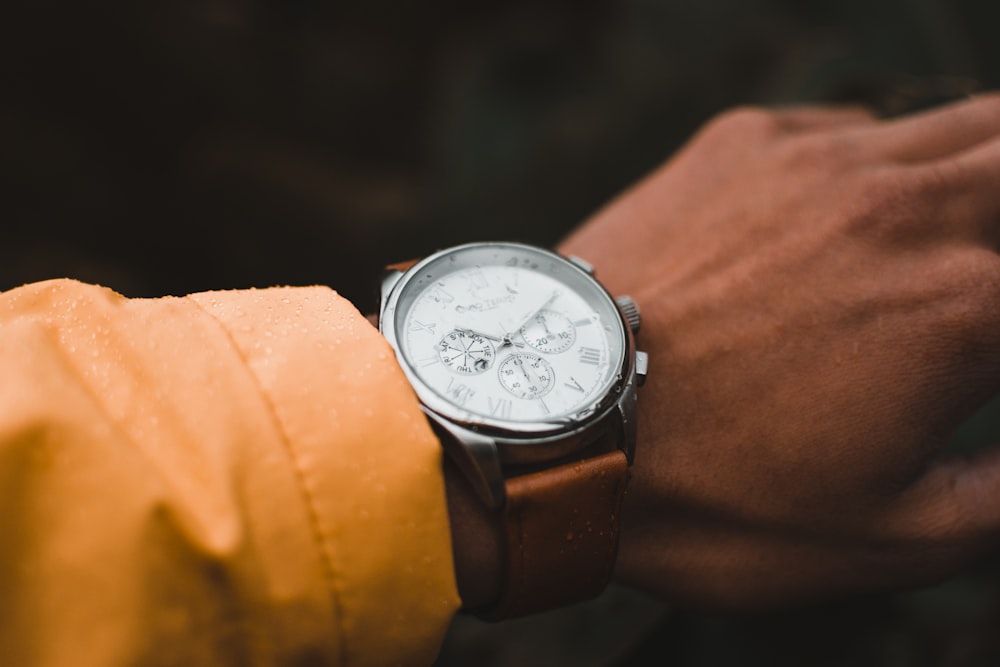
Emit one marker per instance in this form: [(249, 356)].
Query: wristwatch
[(527, 369)]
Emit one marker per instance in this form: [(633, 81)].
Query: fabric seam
[(303, 484)]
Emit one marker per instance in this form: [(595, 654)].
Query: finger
[(951, 516), (980, 169), (980, 165), (936, 133), (966, 190), (805, 118)]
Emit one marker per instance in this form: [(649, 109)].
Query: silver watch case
[(481, 447)]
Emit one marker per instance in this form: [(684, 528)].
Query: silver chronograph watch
[(527, 369)]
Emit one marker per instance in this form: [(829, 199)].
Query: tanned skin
[(821, 306)]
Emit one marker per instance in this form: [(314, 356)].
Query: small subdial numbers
[(466, 353), (549, 332), (526, 375)]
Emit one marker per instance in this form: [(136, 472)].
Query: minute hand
[(533, 312)]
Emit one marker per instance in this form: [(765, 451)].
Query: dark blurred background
[(169, 147)]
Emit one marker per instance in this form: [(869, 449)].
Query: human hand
[(821, 307)]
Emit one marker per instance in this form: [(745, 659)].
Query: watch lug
[(477, 456), (587, 267), (641, 367), (389, 281), (626, 412)]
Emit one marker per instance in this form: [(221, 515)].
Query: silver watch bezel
[(560, 435)]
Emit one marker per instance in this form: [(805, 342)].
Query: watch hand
[(502, 341), (525, 371), (533, 378), (525, 320)]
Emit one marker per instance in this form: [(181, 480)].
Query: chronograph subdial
[(526, 375), (549, 332), (466, 353)]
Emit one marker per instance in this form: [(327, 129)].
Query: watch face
[(507, 335)]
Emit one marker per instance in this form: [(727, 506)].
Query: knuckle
[(900, 204), (880, 207), (989, 103), (975, 272), (825, 152), (745, 121), (971, 285), (941, 527), (938, 179)]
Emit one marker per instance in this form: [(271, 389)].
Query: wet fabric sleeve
[(226, 478)]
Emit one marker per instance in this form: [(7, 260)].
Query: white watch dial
[(508, 333)]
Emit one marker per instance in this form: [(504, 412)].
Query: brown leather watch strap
[(561, 532), (401, 266)]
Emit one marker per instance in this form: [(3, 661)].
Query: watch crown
[(630, 310)]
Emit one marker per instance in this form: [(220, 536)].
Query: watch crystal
[(529, 337)]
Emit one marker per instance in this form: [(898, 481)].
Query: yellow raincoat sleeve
[(228, 478)]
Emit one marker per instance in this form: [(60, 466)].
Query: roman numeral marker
[(460, 393), (582, 323), (573, 384), (417, 325), (440, 295), (476, 279), (590, 355), (500, 407)]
